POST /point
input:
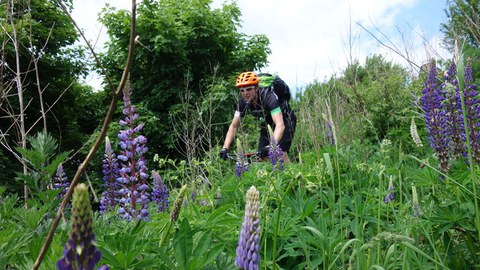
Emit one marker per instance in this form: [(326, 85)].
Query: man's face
[(248, 92)]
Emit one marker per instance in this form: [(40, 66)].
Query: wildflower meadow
[(383, 172), (331, 208)]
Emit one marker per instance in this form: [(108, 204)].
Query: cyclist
[(267, 106)]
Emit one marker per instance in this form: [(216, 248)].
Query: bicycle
[(251, 157)]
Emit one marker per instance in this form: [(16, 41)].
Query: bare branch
[(64, 8), (82, 167), (392, 48)]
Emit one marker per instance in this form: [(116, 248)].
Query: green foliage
[(324, 211), (462, 29), (463, 22), (47, 63), (186, 47), (42, 160), (22, 230), (127, 247), (369, 101), (189, 256)]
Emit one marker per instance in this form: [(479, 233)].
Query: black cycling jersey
[(268, 101)]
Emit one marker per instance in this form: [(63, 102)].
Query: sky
[(312, 40)]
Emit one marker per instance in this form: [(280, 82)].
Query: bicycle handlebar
[(250, 156)]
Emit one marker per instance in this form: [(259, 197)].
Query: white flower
[(414, 133)]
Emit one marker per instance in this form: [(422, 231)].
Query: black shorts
[(290, 122)]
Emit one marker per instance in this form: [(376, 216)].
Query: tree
[(366, 101), (39, 69), (463, 30), (463, 23), (183, 46)]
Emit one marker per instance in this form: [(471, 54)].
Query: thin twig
[(393, 49), (82, 167), (64, 8), (23, 137)]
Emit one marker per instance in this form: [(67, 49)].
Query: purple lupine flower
[(329, 132), (133, 171), (248, 250), (160, 193), (453, 107), (275, 153), (472, 106), (80, 251), (241, 165), (435, 116), (391, 195), (60, 181), (110, 172), (193, 195), (203, 202)]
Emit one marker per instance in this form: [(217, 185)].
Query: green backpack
[(274, 83)]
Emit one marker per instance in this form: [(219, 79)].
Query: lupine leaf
[(212, 254), (219, 212), (52, 167), (110, 258), (328, 162), (417, 250), (183, 244), (202, 245), (165, 259)]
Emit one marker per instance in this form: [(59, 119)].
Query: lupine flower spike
[(60, 181), (329, 126), (275, 153), (329, 132), (80, 251), (248, 249), (177, 205), (133, 173), (415, 204), (391, 195), (241, 165), (472, 107), (433, 103), (414, 133), (109, 198), (160, 193), (453, 106)]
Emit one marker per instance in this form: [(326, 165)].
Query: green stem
[(165, 234), (277, 221), (380, 200), (461, 86)]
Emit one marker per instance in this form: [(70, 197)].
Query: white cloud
[(309, 38), (86, 14)]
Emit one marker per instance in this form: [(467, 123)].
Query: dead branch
[(82, 167)]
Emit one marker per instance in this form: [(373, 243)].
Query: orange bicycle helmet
[(246, 79)]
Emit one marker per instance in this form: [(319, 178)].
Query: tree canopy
[(38, 61), (183, 46), (463, 23)]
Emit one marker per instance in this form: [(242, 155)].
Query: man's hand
[(264, 151), (223, 153)]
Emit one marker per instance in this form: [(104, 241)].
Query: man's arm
[(277, 118), (232, 130)]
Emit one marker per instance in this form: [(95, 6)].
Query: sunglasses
[(247, 89)]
